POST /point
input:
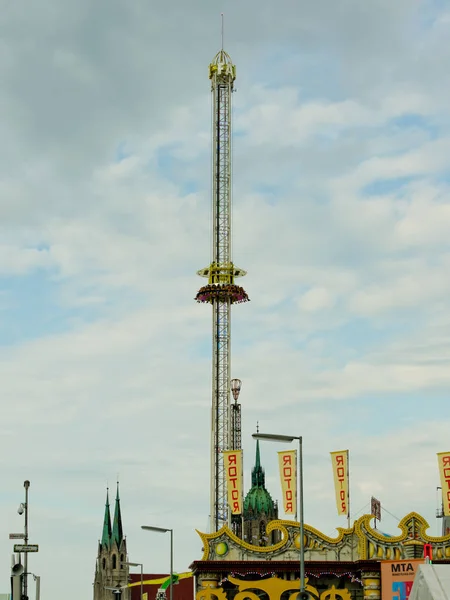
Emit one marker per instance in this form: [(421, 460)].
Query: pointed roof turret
[(106, 534), (258, 475), (117, 532), (258, 500)]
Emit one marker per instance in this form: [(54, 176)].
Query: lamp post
[(290, 438), (23, 508), (235, 385), (132, 564), (165, 530)]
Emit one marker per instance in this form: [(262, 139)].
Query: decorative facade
[(111, 575), (346, 567)]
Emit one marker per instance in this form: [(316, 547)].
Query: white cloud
[(347, 336), (316, 299)]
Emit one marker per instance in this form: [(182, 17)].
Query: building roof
[(432, 582), (114, 534), (258, 500), (117, 532), (106, 533)]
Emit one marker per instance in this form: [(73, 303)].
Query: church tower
[(259, 508), (110, 573)]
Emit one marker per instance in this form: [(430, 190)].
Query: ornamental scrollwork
[(334, 594), (273, 587), (210, 591)]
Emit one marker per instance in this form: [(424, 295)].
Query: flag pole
[(348, 489), (296, 487)]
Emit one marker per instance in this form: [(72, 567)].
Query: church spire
[(258, 475), (117, 533), (106, 534)]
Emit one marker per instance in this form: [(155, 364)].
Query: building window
[(104, 564), (114, 561), (122, 560)]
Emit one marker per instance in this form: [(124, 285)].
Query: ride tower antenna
[(221, 291)]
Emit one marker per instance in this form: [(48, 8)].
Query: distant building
[(113, 581), (259, 508), (112, 553)]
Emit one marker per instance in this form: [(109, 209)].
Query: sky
[(341, 191)]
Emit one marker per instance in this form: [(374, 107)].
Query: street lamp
[(290, 438), (131, 564), (235, 385), (165, 530), (116, 590)]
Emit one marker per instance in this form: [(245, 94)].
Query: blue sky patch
[(121, 152), (384, 187)]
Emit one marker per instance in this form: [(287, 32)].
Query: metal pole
[(171, 564), (142, 581), (302, 543), (38, 587), (26, 485), (348, 491)]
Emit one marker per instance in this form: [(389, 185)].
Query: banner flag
[(339, 462), (232, 460), (444, 472), (375, 508), (287, 461)]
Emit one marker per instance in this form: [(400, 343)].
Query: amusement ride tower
[(221, 291)]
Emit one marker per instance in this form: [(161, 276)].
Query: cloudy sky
[(342, 219)]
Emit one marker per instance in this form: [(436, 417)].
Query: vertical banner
[(232, 460), (397, 578), (444, 472), (339, 462), (287, 461), (375, 508)]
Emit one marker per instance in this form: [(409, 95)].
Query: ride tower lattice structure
[(221, 291)]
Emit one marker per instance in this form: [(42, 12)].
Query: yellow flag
[(287, 462), (444, 472), (339, 462), (232, 461)]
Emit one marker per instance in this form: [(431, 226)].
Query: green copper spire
[(258, 501), (117, 533), (106, 534), (258, 475)]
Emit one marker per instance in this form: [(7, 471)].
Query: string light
[(346, 574), (349, 574), (260, 575)]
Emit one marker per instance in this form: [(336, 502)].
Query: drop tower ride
[(221, 291)]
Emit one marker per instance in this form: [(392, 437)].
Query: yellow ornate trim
[(413, 520), (413, 527), (280, 525), (209, 537), (274, 588)]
